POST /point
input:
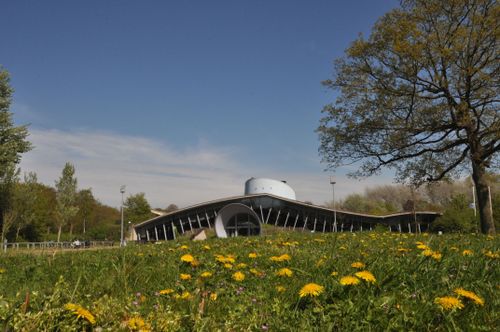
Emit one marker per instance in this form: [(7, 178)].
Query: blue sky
[(183, 100)]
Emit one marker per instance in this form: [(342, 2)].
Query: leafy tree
[(458, 217), (13, 143), (8, 181), (420, 96), (66, 197), (137, 208), (171, 208), (24, 202), (85, 202)]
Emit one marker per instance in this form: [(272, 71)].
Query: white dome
[(269, 186)]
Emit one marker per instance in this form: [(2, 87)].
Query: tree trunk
[(70, 230), (59, 233), (483, 201)]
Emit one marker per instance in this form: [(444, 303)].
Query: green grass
[(120, 287)]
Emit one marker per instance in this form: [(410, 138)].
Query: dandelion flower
[(183, 247), (252, 255), (228, 266), (280, 289), (349, 281), (206, 247), (467, 252), (491, 254), (358, 265), (239, 276), (185, 295), (423, 247), (166, 291), (185, 276), (449, 302), (241, 266), (136, 323), (366, 276), (206, 274), (284, 272), (469, 295), (437, 256), (427, 253), (213, 296), (311, 290), (80, 312), (334, 274), (187, 258)]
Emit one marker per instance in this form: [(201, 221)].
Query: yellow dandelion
[(228, 266), (427, 253), (437, 256), (469, 295), (80, 312), (239, 276), (403, 250), (185, 295), (366, 276), (423, 247), (454, 248), (256, 272), (282, 258), (334, 274), (241, 266), (206, 247), (280, 289), (349, 281), (284, 272), (252, 255), (166, 291), (187, 258), (213, 296), (2, 270), (206, 274), (311, 290), (342, 248), (358, 265), (136, 323), (467, 252), (185, 276), (491, 254), (449, 302), (183, 247)]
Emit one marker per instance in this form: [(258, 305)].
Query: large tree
[(420, 95), (13, 143), (137, 208)]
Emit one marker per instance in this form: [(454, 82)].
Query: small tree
[(8, 181), (137, 208), (24, 202), (458, 217), (66, 198)]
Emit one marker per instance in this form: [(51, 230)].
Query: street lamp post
[(332, 182), (122, 191)]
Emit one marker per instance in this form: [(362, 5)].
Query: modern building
[(268, 201)]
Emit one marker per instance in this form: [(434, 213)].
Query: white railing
[(56, 245)]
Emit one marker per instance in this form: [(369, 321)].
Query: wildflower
[(282, 258), (403, 250), (427, 253), (239, 276), (252, 255), (136, 323), (334, 274), (449, 302), (311, 290), (241, 266), (423, 247), (185, 276), (213, 296), (491, 254), (366, 276), (80, 312), (436, 255), (206, 274), (349, 281), (2, 270), (280, 289), (469, 295), (228, 266), (358, 265), (467, 252), (256, 272), (342, 248), (183, 247), (187, 258), (206, 247), (284, 272), (166, 291), (185, 295)]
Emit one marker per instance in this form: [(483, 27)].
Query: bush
[(457, 218)]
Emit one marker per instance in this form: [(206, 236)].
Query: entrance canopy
[(237, 219)]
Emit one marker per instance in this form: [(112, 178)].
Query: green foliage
[(137, 208), (121, 286), (458, 217), (66, 197), (419, 95)]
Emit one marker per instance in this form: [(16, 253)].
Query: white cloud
[(167, 174)]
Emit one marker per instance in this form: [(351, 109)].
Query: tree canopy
[(420, 96)]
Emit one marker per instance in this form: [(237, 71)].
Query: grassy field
[(279, 282)]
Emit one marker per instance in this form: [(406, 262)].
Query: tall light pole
[(332, 182), (122, 191)]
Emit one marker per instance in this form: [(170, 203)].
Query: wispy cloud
[(167, 174)]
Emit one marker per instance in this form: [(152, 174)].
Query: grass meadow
[(365, 281)]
